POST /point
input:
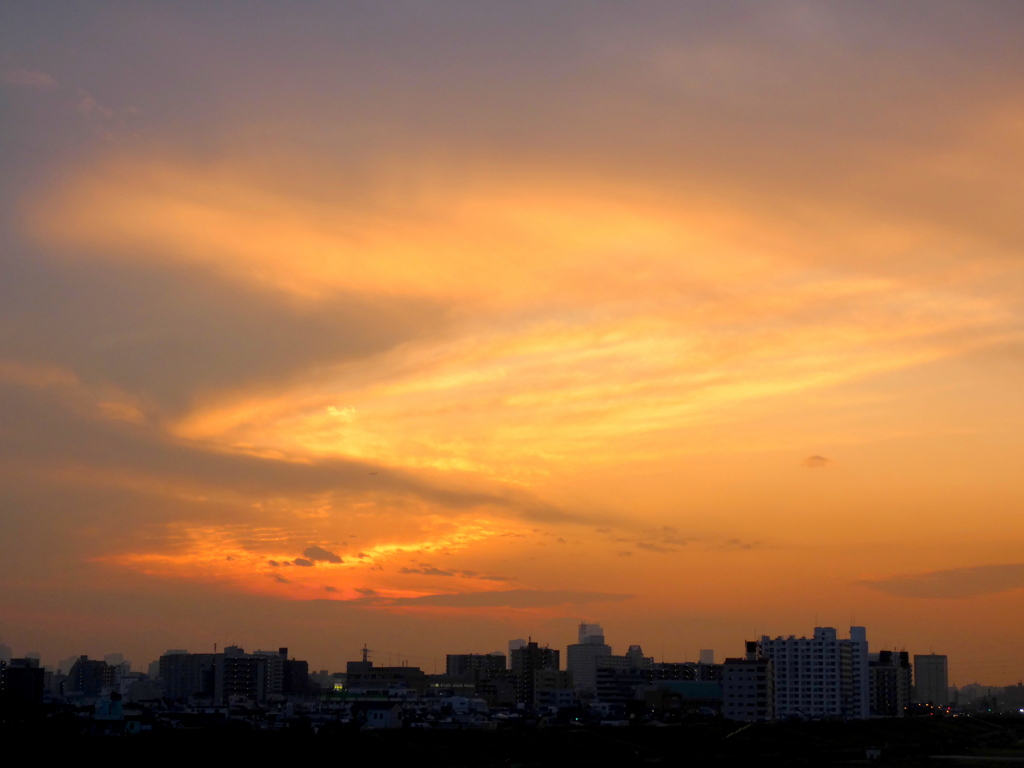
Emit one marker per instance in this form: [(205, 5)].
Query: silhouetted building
[(499, 690), (527, 660), (114, 659), (583, 658), (475, 666), (931, 680), (688, 671), (238, 675), (618, 685), (683, 697), (188, 674), (22, 681), (362, 677), (448, 686), (233, 674), (296, 677), (620, 678), (88, 677), (553, 688), (748, 689), (890, 684), (283, 676), (273, 671)]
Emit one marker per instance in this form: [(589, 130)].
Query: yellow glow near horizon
[(238, 557)]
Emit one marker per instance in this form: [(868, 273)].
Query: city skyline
[(589, 635), (431, 326)]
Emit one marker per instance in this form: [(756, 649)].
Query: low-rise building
[(22, 681), (748, 689), (363, 678), (474, 666)]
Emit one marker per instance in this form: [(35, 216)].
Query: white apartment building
[(820, 676)]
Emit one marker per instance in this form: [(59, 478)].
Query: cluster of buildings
[(823, 676)]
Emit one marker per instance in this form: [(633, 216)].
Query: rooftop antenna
[(366, 653)]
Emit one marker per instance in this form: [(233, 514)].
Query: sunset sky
[(433, 325)]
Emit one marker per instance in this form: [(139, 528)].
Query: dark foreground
[(953, 741)]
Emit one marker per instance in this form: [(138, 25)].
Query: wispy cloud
[(955, 583), (92, 109), (742, 545), (651, 547), (427, 570), (515, 598), (30, 78), (815, 462)]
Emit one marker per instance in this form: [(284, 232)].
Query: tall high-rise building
[(187, 674), (819, 676), (526, 661), (589, 633), (237, 674), (890, 683), (533, 657), (296, 676), (584, 658), (931, 679), (273, 670), (88, 677), (234, 673)]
